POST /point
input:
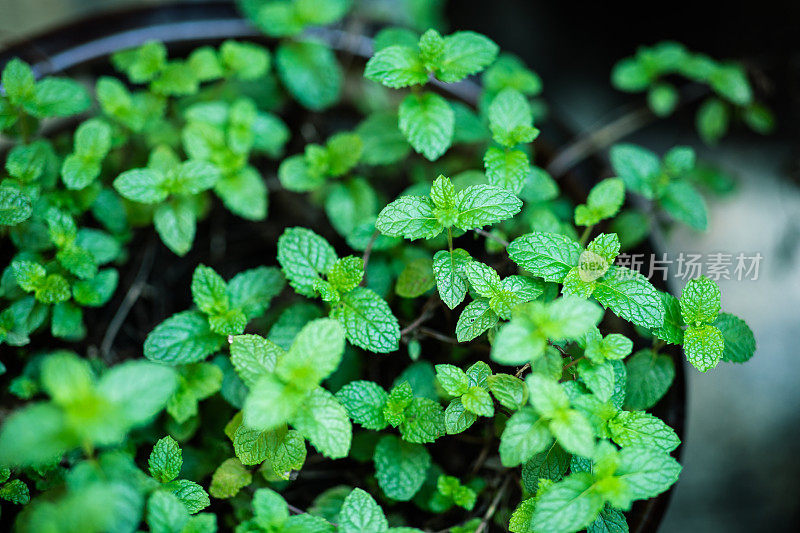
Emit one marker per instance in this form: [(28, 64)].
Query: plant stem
[(488, 235), (367, 253), (585, 235), (573, 362), (450, 240), (493, 506), (522, 370)]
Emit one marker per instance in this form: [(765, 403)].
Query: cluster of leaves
[(234, 389), (651, 67)]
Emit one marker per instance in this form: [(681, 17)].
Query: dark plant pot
[(83, 47)]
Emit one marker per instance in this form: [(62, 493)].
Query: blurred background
[(742, 448)]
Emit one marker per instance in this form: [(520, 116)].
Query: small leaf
[(428, 122)]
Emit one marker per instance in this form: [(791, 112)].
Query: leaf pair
[(558, 258), (308, 171), (312, 268), (165, 463), (284, 386), (511, 123), (664, 181), (420, 419), (425, 217), (495, 299), (709, 336), (223, 309), (84, 410)]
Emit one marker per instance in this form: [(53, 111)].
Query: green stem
[(657, 345), (450, 240), (585, 235)]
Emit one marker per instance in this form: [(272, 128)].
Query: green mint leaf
[(360, 513), (609, 520), (368, 321), (383, 142), (631, 297), (67, 321), (271, 403), (649, 377), (712, 120), (703, 346), (638, 167), (427, 121), (464, 53), (506, 168), (509, 391), (423, 421), (323, 421), (700, 301), (573, 431), (244, 193), (730, 81), (253, 357), (315, 354), (740, 343), (304, 256), (511, 119), (604, 201), (346, 273), (411, 217), (364, 402), (483, 279), (546, 396), (245, 61), (28, 162), (416, 279), (141, 64), (637, 428), (400, 467), (176, 225), (662, 98), (606, 245), (142, 185), (443, 192), (566, 506), (97, 291), (450, 280), (165, 460), (672, 330), (457, 418), (546, 255), (452, 379), (15, 491), (685, 204), (482, 205), (598, 378), (252, 290), (478, 401), (15, 206), (524, 436), (310, 72), (647, 471), (550, 464), (508, 71), (286, 451), (165, 512), (229, 478), (630, 75), (182, 338), (396, 67), (58, 97), (475, 319), (679, 160), (18, 82), (139, 389), (431, 48), (209, 291)]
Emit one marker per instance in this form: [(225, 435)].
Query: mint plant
[(459, 343)]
